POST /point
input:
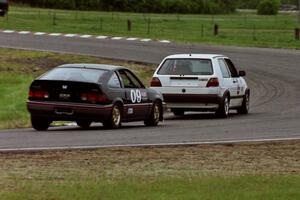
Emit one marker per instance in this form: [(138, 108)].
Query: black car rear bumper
[(69, 111)]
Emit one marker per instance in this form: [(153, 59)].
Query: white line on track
[(85, 36), (132, 39), (8, 31), (24, 32), (165, 41), (102, 37), (148, 145), (145, 40), (117, 38), (55, 34), (70, 35), (39, 33)]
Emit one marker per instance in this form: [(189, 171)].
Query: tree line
[(151, 6), (253, 4)]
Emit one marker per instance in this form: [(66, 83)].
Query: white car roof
[(199, 56)]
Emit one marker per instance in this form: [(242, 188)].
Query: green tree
[(268, 7)]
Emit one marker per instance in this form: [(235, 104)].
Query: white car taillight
[(155, 82), (213, 82)]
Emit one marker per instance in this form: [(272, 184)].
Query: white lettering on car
[(136, 96)]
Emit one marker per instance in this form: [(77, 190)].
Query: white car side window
[(224, 68)]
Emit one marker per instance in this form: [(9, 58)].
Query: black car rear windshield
[(74, 74), (186, 67)]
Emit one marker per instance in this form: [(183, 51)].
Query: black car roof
[(93, 66)]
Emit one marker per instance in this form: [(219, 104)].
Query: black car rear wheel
[(85, 124), (155, 115), (40, 123), (115, 119)]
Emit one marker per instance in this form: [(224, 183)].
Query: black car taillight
[(93, 98), (38, 94), (155, 82), (213, 82)]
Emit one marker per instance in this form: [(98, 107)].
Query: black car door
[(136, 102)]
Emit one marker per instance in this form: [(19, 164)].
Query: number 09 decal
[(136, 96)]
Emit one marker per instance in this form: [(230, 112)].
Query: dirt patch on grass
[(36, 65), (261, 158)]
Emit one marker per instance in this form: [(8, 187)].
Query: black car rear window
[(74, 74), (186, 67)]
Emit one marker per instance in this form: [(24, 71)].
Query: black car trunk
[(62, 91)]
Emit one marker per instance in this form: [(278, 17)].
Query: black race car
[(87, 93), (3, 7)]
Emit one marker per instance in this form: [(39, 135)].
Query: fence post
[(101, 24), (216, 29), (254, 33), (54, 19), (148, 25), (297, 34), (76, 15), (129, 25)]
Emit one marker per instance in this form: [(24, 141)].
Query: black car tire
[(244, 109), (84, 124), (155, 115), (223, 110), (40, 123), (115, 118), (178, 112)]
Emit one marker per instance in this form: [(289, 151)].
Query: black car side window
[(129, 80), (114, 81)]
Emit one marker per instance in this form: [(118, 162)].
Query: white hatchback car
[(201, 82)]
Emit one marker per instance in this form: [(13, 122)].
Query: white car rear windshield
[(186, 67), (74, 74)]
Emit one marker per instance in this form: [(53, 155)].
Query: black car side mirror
[(242, 73)]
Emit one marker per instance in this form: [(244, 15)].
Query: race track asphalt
[(272, 74)]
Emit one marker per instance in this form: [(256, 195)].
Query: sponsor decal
[(130, 111), (144, 95), (238, 90)]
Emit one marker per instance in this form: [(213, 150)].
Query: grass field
[(18, 68), (248, 171), (242, 29)]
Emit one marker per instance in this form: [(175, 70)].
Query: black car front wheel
[(155, 115), (40, 123), (115, 118)]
